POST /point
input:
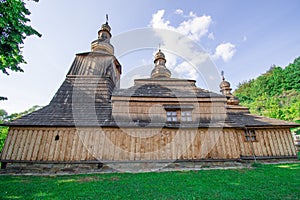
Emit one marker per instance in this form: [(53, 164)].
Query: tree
[(14, 29), (3, 135), (3, 129), (4, 117), (275, 93), (18, 115)]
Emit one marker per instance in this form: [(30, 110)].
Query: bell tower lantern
[(160, 70), (103, 41)]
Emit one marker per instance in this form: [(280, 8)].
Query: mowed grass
[(281, 181)]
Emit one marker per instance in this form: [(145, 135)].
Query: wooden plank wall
[(135, 110), (87, 144), (269, 142)]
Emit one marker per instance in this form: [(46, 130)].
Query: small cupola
[(103, 41), (226, 90), (160, 70), (225, 86), (104, 32)]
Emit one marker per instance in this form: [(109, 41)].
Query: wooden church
[(159, 119)]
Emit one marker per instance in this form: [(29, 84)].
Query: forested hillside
[(275, 93)]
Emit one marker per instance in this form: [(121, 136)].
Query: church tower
[(85, 95), (160, 70), (102, 44), (100, 62)]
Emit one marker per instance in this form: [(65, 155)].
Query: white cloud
[(187, 70), (141, 72), (158, 21), (195, 27), (225, 51), (191, 14), (172, 60), (179, 12), (185, 57), (211, 36), (244, 38)]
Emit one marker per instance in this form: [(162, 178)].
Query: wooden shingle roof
[(154, 90), (84, 99), (73, 104), (251, 120)]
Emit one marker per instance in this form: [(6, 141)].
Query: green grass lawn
[(263, 182)]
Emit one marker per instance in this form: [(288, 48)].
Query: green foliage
[(265, 182), (274, 94), (18, 115), (4, 117), (296, 130), (14, 29), (3, 98), (3, 129), (3, 135)]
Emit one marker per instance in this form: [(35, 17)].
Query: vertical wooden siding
[(270, 142), (86, 144)]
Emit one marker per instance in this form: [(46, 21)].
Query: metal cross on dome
[(222, 74)]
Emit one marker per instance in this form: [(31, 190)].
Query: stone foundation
[(131, 167), (51, 168)]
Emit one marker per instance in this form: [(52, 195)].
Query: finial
[(158, 46), (222, 74), (105, 26), (106, 18)]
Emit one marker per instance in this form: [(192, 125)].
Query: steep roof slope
[(83, 98)]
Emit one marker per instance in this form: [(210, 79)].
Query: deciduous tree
[(275, 93), (14, 29)]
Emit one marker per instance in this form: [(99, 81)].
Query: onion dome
[(225, 85), (159, 56), (160, 70), (104, 28), (102, 44), (226, 90)]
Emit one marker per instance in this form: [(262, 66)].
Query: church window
[(186, 116), (250, 135), (179, 113), (104, 35), (172, 116)]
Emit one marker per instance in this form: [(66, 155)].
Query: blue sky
[(243, 38)]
